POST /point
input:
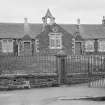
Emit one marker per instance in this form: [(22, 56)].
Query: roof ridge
[(90, 24), (41, 23)]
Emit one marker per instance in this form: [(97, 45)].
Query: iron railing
[(63, 69)]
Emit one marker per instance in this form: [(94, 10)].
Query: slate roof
[(87, 31), (26, 37), (94, 31), (70, 28), (16, 30)]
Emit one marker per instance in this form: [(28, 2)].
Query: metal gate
[(97, 71), (81, 69)]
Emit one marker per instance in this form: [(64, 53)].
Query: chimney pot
[(26, 27), (26, 20), (78, 21), (103, 20)]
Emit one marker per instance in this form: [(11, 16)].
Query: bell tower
[(48, 19)]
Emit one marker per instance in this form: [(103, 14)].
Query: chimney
[(78, 24), (26, 27), (103, 20), (78, 21), (25, 20)]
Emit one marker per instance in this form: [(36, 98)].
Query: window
[(37, 49), (89, 46), (10, 40), (58, 43), (101, 46), (37, 41), (27, 45), (4, 46), (52, 43), (48, 20), (4, 41), (55, 41), (7, 45)]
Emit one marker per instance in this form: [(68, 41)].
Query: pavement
[(64, 95)]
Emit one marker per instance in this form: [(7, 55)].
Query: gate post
[(61, 67)]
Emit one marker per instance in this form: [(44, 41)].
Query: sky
[(65, 11)]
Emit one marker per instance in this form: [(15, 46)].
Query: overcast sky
[(65, 11)]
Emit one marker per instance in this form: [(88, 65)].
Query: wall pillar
[(96, 46), (73, 46), (19, 47), (61, 67)]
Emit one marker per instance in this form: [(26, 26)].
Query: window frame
[(7, 42), (100, 45), (87, 42), (25, 42), (55, 37), (37, 41)]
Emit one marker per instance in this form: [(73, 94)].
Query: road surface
[(64, 95)]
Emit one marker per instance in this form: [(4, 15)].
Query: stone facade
[(74, 39)]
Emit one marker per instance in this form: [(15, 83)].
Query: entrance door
[(78, 48), (27, 48)]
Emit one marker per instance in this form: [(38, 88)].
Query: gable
[(26, 37), (43, 37), (51, 28)]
